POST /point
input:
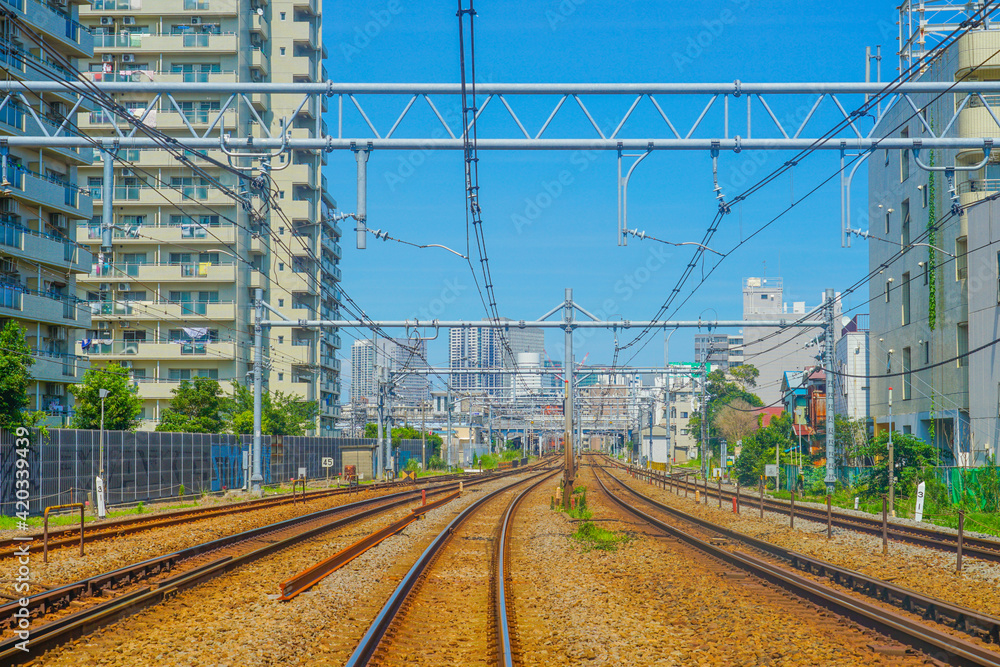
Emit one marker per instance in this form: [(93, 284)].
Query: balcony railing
[(979, 185), (117, 5), (18, 59)]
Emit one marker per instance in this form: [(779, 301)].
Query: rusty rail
[(311, 576), (45, 529)]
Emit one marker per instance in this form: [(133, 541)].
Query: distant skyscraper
[(480, 350), (395, 356)]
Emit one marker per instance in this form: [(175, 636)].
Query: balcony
[(48, 307), (301, 67), (205, 43), (56, 26), (259, 280), (164, 310), (293, 353), (258, 245), (57, 367), (189, 272), (261, 26), (188, 234), (308, 6), (57, 195), (42, 248), (332, 246), (168, 351), (260, 62), (147, 195)]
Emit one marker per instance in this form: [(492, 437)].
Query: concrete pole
[(362, 209), (423, 434), (107, 207), (892, 461), (830, 362), (569, 474), (489, 422), (256, 478), (704, 417), (380, 471), (448, 407)]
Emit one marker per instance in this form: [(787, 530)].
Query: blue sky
[(571, 241)]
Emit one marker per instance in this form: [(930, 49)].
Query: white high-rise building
[(369, 358), (480, 350)]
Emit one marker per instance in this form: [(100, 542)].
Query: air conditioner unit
[(124, 324), (108, 58), (125, 364), (255, 75), (10, 206), (58, 220), (57, 390), (124, 287), (105, 287), (7, 265), (129, 20), (127, 172), (195, 20), (128, 58), (107, 20), (59, 333)]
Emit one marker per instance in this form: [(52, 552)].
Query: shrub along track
[(900, 629)]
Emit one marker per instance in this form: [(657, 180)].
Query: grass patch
[(581, 513), (593, 537)]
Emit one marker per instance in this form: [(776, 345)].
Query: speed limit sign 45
[(327, 461)]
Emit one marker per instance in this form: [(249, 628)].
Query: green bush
[(180, 490)]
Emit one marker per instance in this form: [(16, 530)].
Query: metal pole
[(258, 385), (829, 518), (831, 443), (448, 406), (892, 461), (885, 526), (102, 505), (107, 208), (568, 474), (381, 417), (961, 539), (704, 416), (423, 434), (362, 208)]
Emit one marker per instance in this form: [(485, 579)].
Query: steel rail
[(929, 640), (929, 538), (504, 637), (369, 643), (966, 620), (56, 598), (126, 526)]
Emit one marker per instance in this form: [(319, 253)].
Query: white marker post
[(918, 514)]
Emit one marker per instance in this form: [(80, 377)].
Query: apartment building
[(174, 300), (392, 355), (851, 397), (40, 200), (722, 350), (773, 350)]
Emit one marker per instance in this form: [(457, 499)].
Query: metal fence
[(146, 465)]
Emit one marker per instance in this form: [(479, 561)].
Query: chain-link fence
[(146, 465)]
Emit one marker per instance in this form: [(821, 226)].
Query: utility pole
[(423, 434), (704, 416), (489, 427), (256, 479), (892, 460), (569, 474), (830, 363), (380, 472), (448, 406)]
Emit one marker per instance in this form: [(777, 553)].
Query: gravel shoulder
[(928, 571), (649, 602)]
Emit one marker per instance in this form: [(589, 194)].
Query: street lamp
[(103, 393)]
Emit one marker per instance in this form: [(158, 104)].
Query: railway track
[(56, 614), (908, 625), (378, 643), (70, 535), (927, 537)]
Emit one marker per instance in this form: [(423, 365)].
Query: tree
[(746, 375), (720, 392), (15, 377), (736, 420), (198, 406), (122, 406), (850, 435), (910, 455), (759, 449), (401, 433), (281, 413)]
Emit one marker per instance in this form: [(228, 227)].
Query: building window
[(963, 344), (961, 258), (888, 361), (924, 190), (282, 16), (927, 353), (281, 266), (888, 286), (282, 50), (906, 298), (927, 273), (904, 157), (281, 303), (888, 226), (905, 225), (281, 377), (684, 415), (907, 375), (281, 339)]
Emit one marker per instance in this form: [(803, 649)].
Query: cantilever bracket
[(987, 149)]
